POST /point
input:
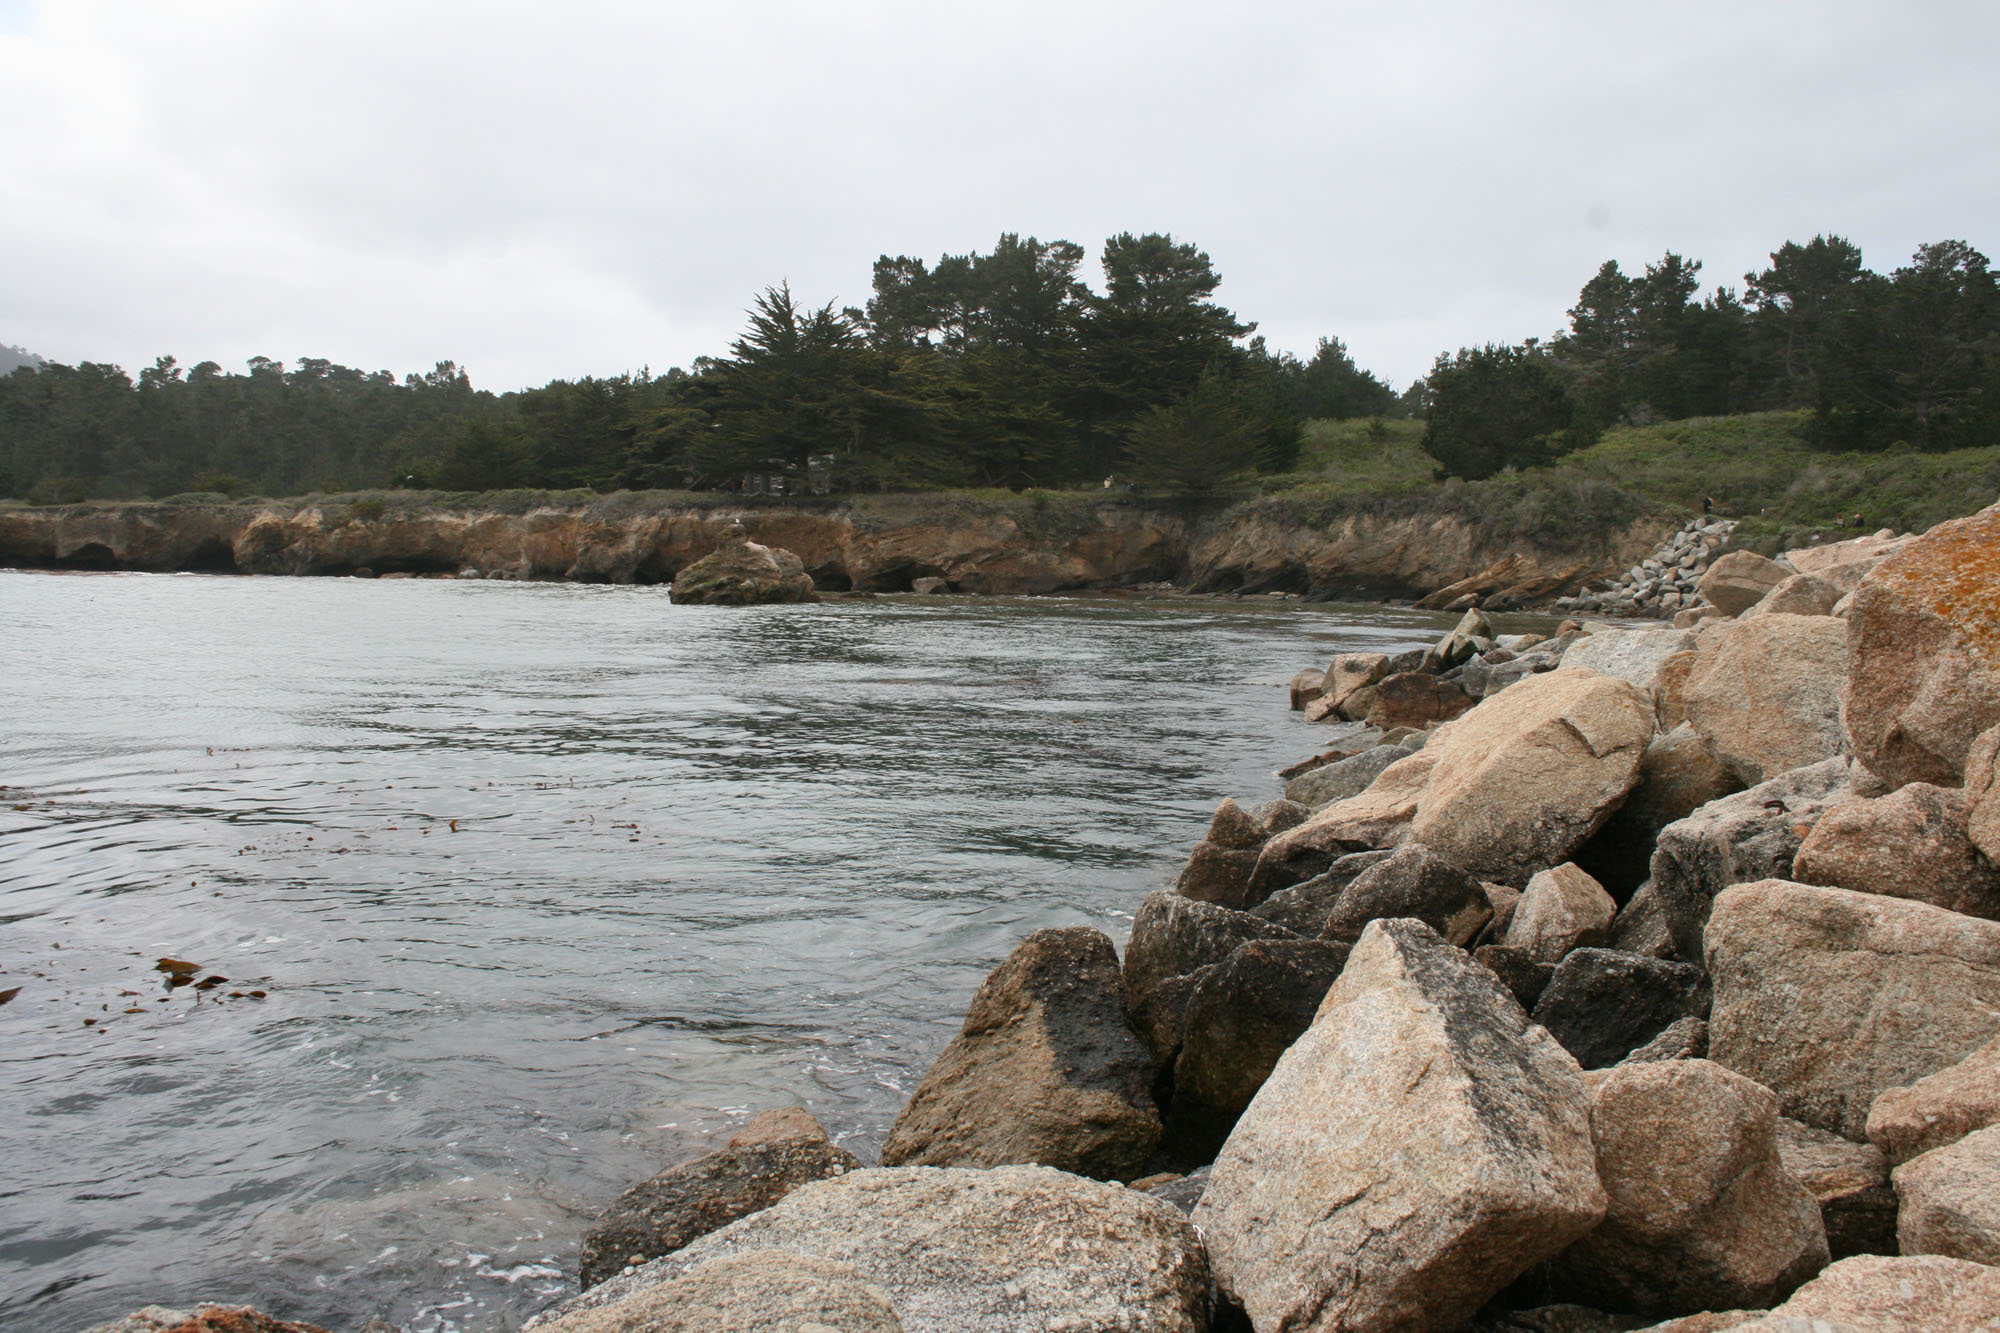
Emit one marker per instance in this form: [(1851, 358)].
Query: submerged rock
[(203, 1319), (691, 1199)]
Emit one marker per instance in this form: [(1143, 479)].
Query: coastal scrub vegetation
[(1823, 391)]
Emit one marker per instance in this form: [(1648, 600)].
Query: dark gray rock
[(1753, 835), (1183, 1192), (1602, 1005), (1505, 674), (1044, 1071), (1241, 1018), (1851, 1182), (659, 1216), (1306, 907), (1173, 935), (1344, 777), (1277, 816), (1682, 1039), (1518, 971), (1642, 926), (1412, 882), (1160, 1019), (1413, 660)]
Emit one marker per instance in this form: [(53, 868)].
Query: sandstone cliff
[(884, 547)]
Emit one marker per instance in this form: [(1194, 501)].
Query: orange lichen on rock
[(1924, 653)]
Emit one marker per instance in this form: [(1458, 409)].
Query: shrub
[(58, 491), (1495, 407)]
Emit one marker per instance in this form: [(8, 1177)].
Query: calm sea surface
[(544, 887)]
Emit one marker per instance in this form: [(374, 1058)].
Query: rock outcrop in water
[(742, 573)]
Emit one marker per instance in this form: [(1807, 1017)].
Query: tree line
[(1001, 368), (1910, 358), (1005, 368)]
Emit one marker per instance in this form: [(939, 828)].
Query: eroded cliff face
[(975, 550)]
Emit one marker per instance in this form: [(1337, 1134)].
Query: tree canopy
[(1008, 368), (1912, 357)]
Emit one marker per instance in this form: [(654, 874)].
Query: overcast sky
[(539, 190)]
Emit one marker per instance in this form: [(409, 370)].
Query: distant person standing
[(1707, 505)]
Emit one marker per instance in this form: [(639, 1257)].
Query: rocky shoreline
[(1625, 978), (941, 544)]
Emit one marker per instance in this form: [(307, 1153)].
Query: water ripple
[(538, 888)]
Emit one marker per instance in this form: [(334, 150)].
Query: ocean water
[(522, 892)]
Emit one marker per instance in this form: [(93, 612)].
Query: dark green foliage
[(1201, 446), (1495, 407), (996, 369), (1005, 369), (58, 491), (1910, 357), (1333, 388), (1797, 300), (1907, 357), (1643, 349)]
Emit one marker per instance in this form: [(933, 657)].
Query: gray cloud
[(537, 190)]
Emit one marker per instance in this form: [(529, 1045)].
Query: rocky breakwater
[(1662, 583), (1694, 577), (1582, 982), (1391, 1055)]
